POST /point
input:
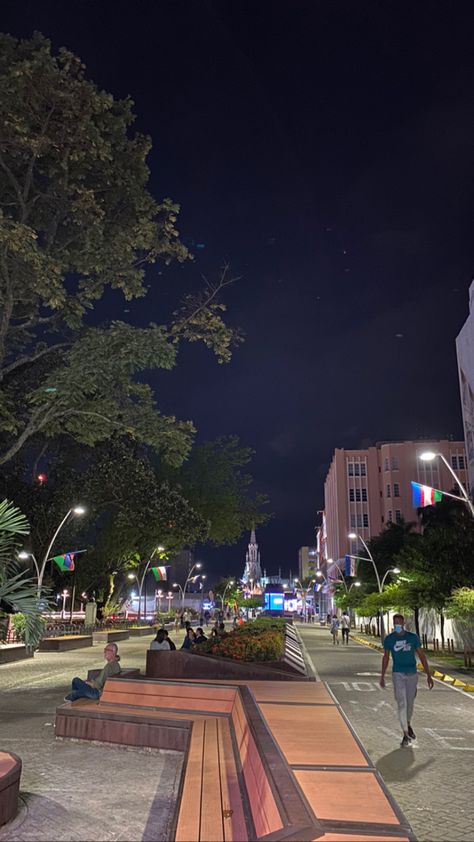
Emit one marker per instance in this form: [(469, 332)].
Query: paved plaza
[(80, 791), (77, 791), (432, 781)]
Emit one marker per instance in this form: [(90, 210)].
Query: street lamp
[(159, 595), (392, 570), (354, 537), (75, 510), (24, 556), (429, 456), (140, 582), (169, 597), (196, 566)]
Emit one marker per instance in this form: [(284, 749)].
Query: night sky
[(324, 149)]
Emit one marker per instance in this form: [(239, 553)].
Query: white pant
[(404, 687)]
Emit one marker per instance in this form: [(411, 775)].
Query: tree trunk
[(417, 620), (441, 628)]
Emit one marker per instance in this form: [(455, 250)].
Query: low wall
[(430, 624), (63, 644), (14, 652), (141, 631), (110, 636), (182, 664)]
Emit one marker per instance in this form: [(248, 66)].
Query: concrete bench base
[(110, 636), (142, 631), (14, 652), (64, 643), (10, 773)]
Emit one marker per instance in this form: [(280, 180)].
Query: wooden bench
[(239, 780), (63, 643), (10, 773), (110, 636)]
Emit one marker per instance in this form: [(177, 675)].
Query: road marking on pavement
[(442, 736)]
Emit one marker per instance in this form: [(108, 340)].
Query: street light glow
[(79, 510), (396, 570), (352, 536), (427, 456), (23, 555), (198, 565), (131, 576), (160, 549), (357, 584), (319, 573)]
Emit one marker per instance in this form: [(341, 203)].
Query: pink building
[(366, 489)]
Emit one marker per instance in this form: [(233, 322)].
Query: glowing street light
[(429, 456), (74, 510)]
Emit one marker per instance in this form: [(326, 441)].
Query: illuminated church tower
[(253, 572)]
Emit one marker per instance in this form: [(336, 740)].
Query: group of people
[(163, 641), (344, 624)]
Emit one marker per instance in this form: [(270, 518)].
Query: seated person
[(221, 630), (92, 689), (189, 640), (167, 637), (160, 641), (200, 636)]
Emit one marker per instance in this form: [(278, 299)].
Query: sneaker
[(68, 698), (411, 733), (405, 742)]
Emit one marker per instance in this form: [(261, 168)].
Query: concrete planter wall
[(14, 652)]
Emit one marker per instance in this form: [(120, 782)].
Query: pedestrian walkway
[(430, 781)]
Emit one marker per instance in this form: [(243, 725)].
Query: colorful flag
[(350, 566), (159, 573), (65, 562), (423, 495)]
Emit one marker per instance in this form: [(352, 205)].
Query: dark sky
[(325, 149)]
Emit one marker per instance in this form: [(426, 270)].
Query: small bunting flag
[(424, 495), (65, 562), (159, 573)]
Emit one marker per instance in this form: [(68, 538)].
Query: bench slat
[(235, 829), (211, 801), (193, 691), (166, 702), (190, 813)]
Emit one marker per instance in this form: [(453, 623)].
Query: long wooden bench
[(10, 773), (65, 642), (240, 779)]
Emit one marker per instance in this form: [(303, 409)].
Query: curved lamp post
[(196, 566), (75, 510), (353, 536), (429, 456), (222, 598), (141, 581)]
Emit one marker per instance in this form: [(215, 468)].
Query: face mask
[(398, 628)]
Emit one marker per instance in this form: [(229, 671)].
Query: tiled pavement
[(432, 781), (75, 791)]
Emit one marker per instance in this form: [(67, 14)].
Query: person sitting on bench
[(92, 689)]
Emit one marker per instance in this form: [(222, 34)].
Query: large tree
[(76, 220)]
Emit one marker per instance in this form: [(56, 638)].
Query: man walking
[(345, 627), (404, 647)]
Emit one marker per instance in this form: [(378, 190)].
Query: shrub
[(260, 640), (19, 623)]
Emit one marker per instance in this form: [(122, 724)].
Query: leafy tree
[(17, 592), (214, 483), (76, 220)]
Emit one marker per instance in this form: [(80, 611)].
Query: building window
[(394, 462), (363, 471), (366, 519), (389, 490), (386, 465), (353, 521), (351, 469), (461, 464), (389, 516), (364, 495), (356, 469), (454, 462), (357, 495), (359, 520), (398, 516), (351, 495), (396, 489)]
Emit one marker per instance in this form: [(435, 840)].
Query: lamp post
[(75, 510), (169, 597), (392, 570), (140, 582), (229, 585), (196, 566), (429, 456), (24, 556), (64, 595), (304, 591), (354, 537), (159, 595)]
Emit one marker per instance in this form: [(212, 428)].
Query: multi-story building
[(367, 489), (465, 353), (307, 562)]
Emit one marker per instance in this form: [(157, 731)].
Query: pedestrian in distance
[(207, 617), (335, 630), (92, 688), (345, 627), (404, 647), (177, 623), (160, 643), (189, 640)]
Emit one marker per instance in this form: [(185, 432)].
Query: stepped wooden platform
[(266, 760)]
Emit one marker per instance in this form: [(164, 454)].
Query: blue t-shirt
[(403, 648)]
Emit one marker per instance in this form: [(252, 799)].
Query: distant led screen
[(274, 601)]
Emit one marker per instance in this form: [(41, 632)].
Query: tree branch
[(30, 358)]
